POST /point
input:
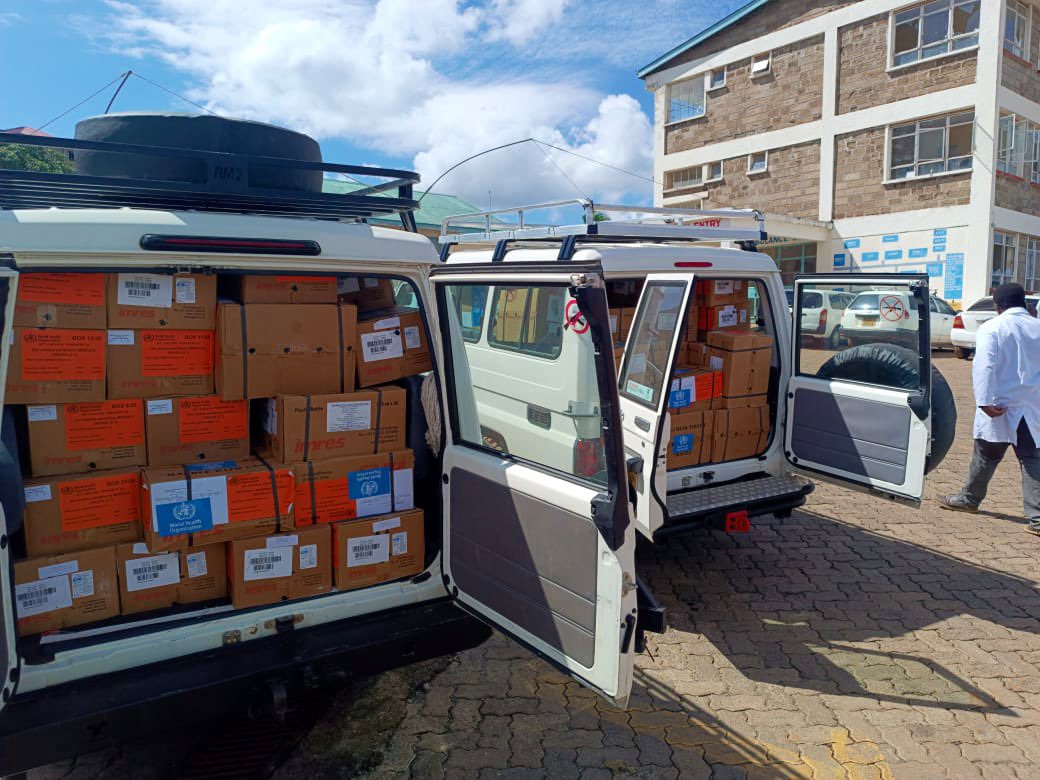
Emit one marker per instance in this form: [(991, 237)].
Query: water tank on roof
[(203, 132)]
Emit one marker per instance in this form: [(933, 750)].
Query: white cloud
[(7, 18), (406, 79)]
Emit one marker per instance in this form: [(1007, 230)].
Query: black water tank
[(197, 131)]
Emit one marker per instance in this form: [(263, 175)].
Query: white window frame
[(946, 171), (679, 85), (951, 41), (750, 163), (705, 176), (707, 171), (1007, 240), (1032, 281), (709, 85), (766, 57), (1023, 13), (1018, 147)]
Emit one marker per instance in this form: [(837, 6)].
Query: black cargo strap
[(314, 494), (245, 355), (274, 492), (187, 483), (393, 495), (379, 416), (307, 426)]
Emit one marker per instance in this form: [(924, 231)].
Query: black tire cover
[(897, 366), (196, 131)]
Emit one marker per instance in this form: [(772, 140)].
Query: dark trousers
[(987, 457)]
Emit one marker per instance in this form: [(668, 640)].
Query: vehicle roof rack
[(221, 184), (652, 225)]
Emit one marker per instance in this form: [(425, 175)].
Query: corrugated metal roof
[(701, 37), (434, 208)]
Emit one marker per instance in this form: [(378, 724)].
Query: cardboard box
[(149, 581), (722, 318), (690, 442), (196, 430), (391, 345), (61, 301), (744, 357), (694, 388), (72, 438), (619, 353), (159, 363), (267, 349), (162, 301), (331, 491), (378, 549), (207, 503), (319, 427), (368, 293), (696, 353), (284, 289), (63, 591), (54, 366), (79, 511), (271, 569), (628, 314), (721, 292), (740, 433)]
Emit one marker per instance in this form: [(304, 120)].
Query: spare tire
[(896, 366), (203, 132)]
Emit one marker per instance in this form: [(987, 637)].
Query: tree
[(22, 157)]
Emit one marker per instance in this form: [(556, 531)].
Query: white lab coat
[(1006, 372)]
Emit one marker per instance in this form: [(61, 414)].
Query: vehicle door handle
[(643, 424)]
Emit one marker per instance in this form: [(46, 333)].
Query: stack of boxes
[(145, 488)]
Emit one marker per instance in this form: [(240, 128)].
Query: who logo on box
[(184, 517)]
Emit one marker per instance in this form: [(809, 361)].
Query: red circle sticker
[(892, 308), (573, 318)]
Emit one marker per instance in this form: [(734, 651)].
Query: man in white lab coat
[(1006, 377)]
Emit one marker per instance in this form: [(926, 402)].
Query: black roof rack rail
[(223, 188)]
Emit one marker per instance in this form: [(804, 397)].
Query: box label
[(365, 550), (386, 322), (399, 543), (211, 419), (35, 493), (715, 363), (411, 338), (106, 424), (63, 355), (267, 564), (56, 569), (46, 595), (348, 284), (42, 413), (176, 353), (155, 571), (380, 346), (724, 287), (309, 556), (164, 406), (184, 290), (679, 399), (682, 443), (100, 501), (82, 584), (249, 496), (120, 338), (145, 290), (386, 525), (348, 416), (184, 517), (370, 491), (213, 465), (82, 289), (403, 492), (196, 565), (640, 390), (727, 316), (270, 419), (274, 542)]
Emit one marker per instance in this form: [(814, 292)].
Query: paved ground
[(857, 640)]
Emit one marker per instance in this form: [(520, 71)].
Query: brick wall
[(1017, 194), (791, 185), (859, 165), (774, 16), (863, 80), (790, 94), (1017, 74)]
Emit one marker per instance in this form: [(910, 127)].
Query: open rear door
[(9, 500), (537, 539), (858, 412), (643, 388)]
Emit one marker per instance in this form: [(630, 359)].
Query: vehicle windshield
[(812, 300), (865, 302), (986, 304)]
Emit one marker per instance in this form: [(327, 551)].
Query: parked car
[(822, 312), (888, 316), (966, 323)]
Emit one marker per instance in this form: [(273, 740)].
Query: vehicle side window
[(470, 304), (528, 320), (986, 304), (646, 364), (933, 306), (944, 307)]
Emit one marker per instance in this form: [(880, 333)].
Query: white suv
[(822, 312)]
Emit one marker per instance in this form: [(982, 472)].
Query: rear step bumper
[(709, 507)]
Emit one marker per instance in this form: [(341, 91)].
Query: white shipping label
[(363, 550), (399, 543), (185, 291), (403, 494), (213, 488), (386, 525), (160, 407), (348, 416), (42, 413), (347, 284), (82, 584), (121, 338), (37, 493), (637, 364), (727, 316), (373, 505), (371, 282), (145, 290), (154, 571), (46, 595), (715, 363), (267, 564), (666, 320), (613, 323), (411, 338), (724, 287), (57, 568), (196, 565), (743, 316), (271, 417), (381, 346), (274, 542), (386, 323), (309, 556)]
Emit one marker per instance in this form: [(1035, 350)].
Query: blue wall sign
[(851, 243), (939, 232), (953, 279), (935, 269), (890, 239), (894, 254), (919, 252), (869, 257), (839, 260)]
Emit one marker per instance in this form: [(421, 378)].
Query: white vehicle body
[(875, 312), (822, 312), (966, 323)]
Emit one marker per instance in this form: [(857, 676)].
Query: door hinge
[(581, 280), (627, 584)]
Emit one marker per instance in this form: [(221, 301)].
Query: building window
[(686, 177), (760, 64), (933, 29), (758, 162), (792, 260), (1032, 278), (1018, 147), (686, 100), (1016, 29), (717, 79), (930, 146), (714, 171), (1004, 257)]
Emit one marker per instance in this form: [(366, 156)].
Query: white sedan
[(967, 322), (890, 316)]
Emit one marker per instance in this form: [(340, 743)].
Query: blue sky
[(411, 83)]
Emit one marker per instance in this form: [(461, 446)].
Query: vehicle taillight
[(823, 320), (588, 457), (958, 322)]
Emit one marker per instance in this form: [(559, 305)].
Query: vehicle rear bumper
[(88, 715), (716, 507), (963, 338)]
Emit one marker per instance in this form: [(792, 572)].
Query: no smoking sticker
[(573, 318)]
